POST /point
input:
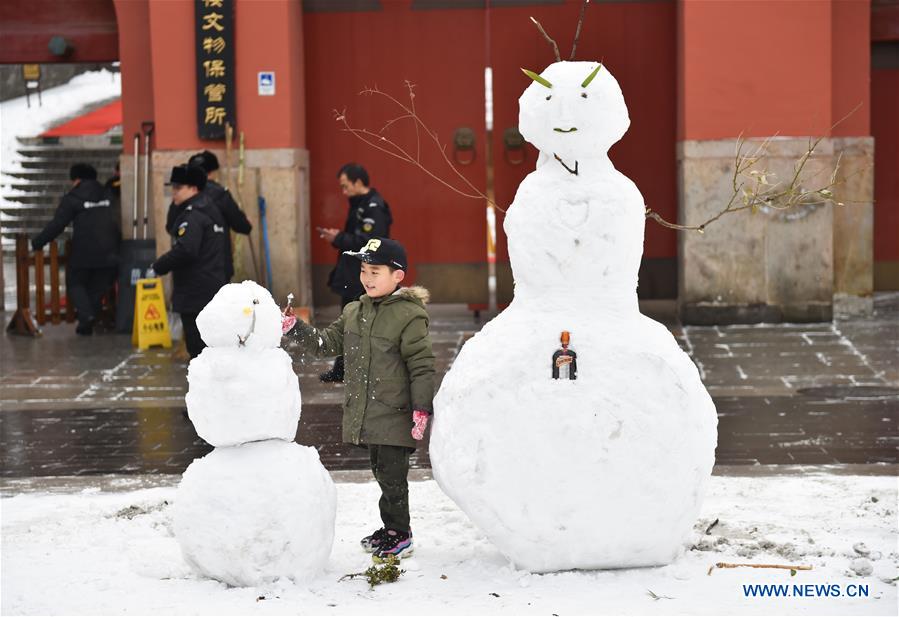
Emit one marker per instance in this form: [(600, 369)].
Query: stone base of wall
[(774, 265), (707, 314), (846, 306), (886, 276)]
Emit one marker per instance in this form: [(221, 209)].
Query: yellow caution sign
[(151, 324)]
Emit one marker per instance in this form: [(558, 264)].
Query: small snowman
[(259, 506), (607, 470)]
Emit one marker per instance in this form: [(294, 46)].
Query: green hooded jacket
[(388, 364)]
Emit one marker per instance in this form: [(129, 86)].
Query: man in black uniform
[(95, 243), (197, 258), (368, 217), (234, 217)]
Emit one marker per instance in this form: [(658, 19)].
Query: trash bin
[(136, 258)]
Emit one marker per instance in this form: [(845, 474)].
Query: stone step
[(59, 163), (54, 152), (34, 198), (113, 137), (26, 209), (33, 174), (27, 212), (42, 186)]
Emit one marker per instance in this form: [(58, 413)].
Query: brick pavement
[(787, 394)]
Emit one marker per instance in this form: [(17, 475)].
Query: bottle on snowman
[(259, 506), (584, 474)]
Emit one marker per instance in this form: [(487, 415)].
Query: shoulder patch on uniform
[(182, 228), (373, 204), (218, 228), (368, 225)]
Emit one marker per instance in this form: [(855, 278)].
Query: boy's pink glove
[(420, 419), (288, 321)]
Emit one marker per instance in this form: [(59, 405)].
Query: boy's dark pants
[(390, 466)]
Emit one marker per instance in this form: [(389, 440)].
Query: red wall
[(444, 53), (268, 36), (885, 124), (851, 67), (764, 67), (136, 67), (26, 27), (348, 51), (636, 41)]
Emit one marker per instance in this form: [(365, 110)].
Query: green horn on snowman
[(591, 76), (540, 80)]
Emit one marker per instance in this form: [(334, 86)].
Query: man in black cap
[(234, 217), (368, 217), (95, 243), (197, 258)]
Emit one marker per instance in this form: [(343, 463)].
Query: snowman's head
[(574, 110), (241, 315)]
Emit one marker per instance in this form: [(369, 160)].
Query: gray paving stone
[(75, 406)]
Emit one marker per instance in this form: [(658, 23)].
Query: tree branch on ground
[(792, 569)]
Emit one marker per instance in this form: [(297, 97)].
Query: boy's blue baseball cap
[(382, 252)]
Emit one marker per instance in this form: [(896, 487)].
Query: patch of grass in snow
[(131, 511)]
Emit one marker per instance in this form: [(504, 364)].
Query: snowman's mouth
[(571, 130), (573, 172)]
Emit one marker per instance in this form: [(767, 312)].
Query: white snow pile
[(259, 507), (252, 499), (100, 553), (18, 120), (608, 471)]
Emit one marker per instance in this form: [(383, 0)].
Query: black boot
[(335, 375)]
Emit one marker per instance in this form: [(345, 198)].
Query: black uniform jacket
[(197, 258), (368, 217), (96, 235), (235, 219)]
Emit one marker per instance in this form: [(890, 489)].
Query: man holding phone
[(368, 217)]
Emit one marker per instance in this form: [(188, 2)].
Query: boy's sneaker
[(373, 541), (396, 543)]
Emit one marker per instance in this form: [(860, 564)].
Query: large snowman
[(608, 470), (259, 506)]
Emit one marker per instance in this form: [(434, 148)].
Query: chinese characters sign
[(215, 67)]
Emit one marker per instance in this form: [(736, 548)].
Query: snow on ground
[(59, 103), (114, 553)]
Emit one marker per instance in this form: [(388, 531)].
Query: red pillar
[(158, 46)]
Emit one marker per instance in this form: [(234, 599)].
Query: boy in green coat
[(389, 380)]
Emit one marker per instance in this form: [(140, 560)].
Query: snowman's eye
[(549, 97), (255, 301), (583, 95)]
